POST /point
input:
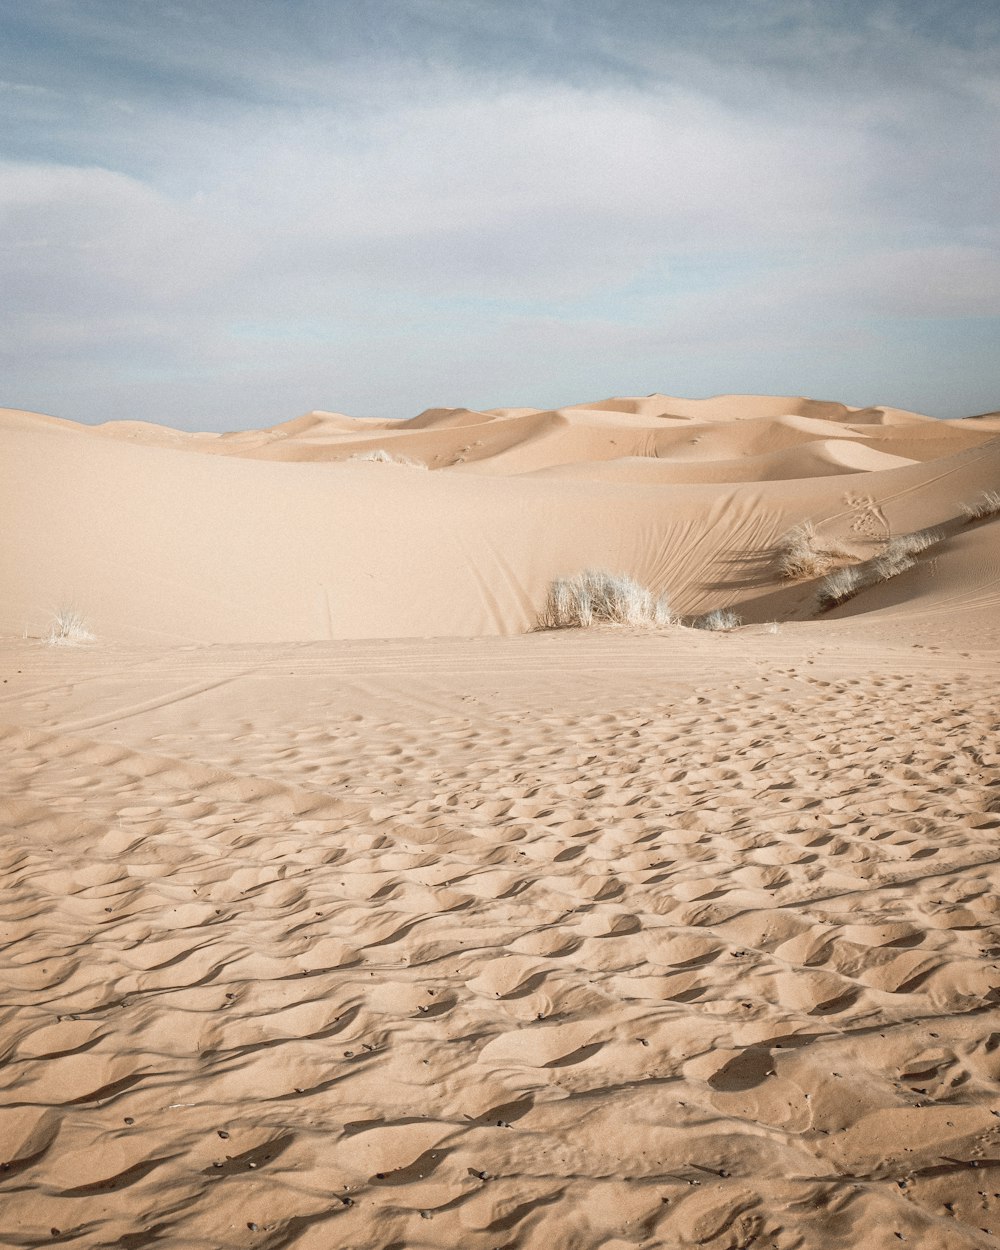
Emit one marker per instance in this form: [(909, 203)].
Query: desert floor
[(572, 940), (576, 940)]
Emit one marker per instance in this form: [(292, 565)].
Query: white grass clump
[(913, 544), (838, 587), (803, 553), (896, 557), (988, 504), (596, 597), (68, 629), (380, 456), (721, 620)]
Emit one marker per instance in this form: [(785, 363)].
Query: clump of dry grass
[(897, 556), (803, 553), (596, 597), (986, 505), (68, 629), (380, 456), (721, 620), (839, 586)]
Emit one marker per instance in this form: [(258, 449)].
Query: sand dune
[(289, 534), (318, 933)]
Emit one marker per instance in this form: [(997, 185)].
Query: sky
[(220, 216)]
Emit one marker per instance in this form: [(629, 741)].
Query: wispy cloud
[(218, 215)]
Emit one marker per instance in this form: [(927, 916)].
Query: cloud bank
[(220, 219)]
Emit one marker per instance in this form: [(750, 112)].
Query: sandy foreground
[(317, 934)]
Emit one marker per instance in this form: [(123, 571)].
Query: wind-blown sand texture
[(606, 938)]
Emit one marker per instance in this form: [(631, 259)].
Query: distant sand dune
[(288, 534)]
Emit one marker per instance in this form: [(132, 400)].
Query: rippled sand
[(562, 942)]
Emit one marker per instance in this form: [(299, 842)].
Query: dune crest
[(319, 528)]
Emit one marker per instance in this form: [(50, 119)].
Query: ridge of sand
[(819, 458), (283, 534)]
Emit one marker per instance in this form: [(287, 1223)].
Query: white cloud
[(716, 203)]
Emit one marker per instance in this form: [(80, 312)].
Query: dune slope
[(287, 534)]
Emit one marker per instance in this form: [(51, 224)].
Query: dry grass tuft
[(68, 629), (838, 587), (987, 505), (721, 620), (802, 553), (897, 556), (596, 597)]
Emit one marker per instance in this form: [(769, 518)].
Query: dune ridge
[(289, 533)]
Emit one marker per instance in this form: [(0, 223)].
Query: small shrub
[(596, 597), (803, 553), (720, 621), (887, 566), (988, 504), (68, 629), (380, 456), (838, 587), (895, 558), (898, 556), (913, 544)]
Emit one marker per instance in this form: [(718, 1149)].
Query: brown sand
[(587, 939)]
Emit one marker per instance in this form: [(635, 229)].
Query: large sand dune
[(316, 933), (286, 534)]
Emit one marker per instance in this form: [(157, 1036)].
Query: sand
[(338, 910)]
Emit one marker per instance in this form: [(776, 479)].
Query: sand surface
[(316, 934)]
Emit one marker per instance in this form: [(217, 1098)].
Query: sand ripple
[(720, 972)]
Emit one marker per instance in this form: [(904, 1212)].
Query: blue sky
[(222, 215)]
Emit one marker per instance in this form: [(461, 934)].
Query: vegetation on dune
[(596, 597), (802, 553), (986, 505), (68, 629), (721, 620), (896, 557)]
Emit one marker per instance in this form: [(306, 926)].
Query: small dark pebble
[(252, 1226), (223, 1134), (348, 1202), (129, 1120)]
